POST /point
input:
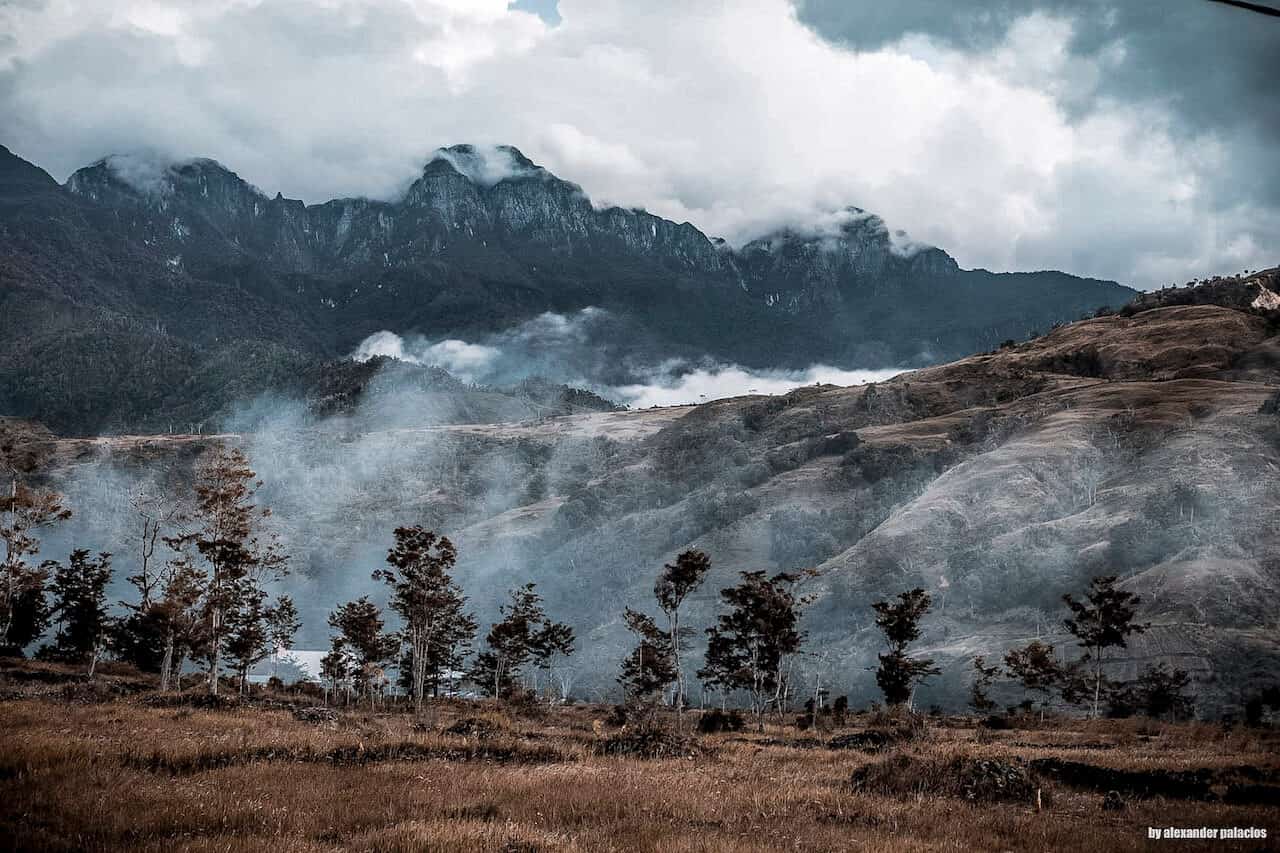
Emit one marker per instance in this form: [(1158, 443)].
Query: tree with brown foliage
[(435, 629), (336, 666), (899, 674), (24, 612), (1158, 692), (282, 624), (979, 690), (79, 591), (522, 636), (141, 636), (239, 561), (177, 612)]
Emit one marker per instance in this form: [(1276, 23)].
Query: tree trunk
[(216, 646), (166, 662), (675, 651), (1097, 680)]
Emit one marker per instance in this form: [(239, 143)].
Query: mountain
[(1144, 444), (141, 292)]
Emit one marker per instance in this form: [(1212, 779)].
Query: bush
[(974, 780), (871, 740), (649, 740), (490, 725), (715, 720), (315, 715)]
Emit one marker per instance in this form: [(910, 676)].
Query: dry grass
[(122, 774)]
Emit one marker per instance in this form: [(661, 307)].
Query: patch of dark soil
[(793, 743), (91, 692), (1085, 745), (200, 700), (37, 676), (1242, 794), (1173, 784), (358, 754), (204, 701)]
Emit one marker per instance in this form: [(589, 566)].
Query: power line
[(1252, 7)]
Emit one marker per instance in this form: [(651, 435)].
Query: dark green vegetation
[(158, 306)]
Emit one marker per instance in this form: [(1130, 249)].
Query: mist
[(582, 350)]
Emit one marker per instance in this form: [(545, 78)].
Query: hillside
[(140, 294), (1143, 444)]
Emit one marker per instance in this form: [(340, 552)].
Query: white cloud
[(702, 385), (735, 117), (469, 362)]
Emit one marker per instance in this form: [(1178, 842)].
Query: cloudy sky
[(1126, 139)]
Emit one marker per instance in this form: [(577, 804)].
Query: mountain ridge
[(188, 267)]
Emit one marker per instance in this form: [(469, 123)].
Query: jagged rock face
[(130, 251), (455, 208), (799, 271)]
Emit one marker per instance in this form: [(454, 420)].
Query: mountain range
[(142, 293)]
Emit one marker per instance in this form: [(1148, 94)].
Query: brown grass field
[(91, 769)]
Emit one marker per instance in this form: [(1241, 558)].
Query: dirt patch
[(1174, 784), (1241, 794)]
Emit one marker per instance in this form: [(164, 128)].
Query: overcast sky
[(1128, 139)]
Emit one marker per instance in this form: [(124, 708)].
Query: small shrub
[(871, 740), (715, 720), (649, 740), (315, 715), (487, 726), (974, 780)]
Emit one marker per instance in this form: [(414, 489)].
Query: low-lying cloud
[(468, 362), (567, 348), (679, 385)]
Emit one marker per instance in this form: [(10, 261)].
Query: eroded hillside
[(1144, 444)]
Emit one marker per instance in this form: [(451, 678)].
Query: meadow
[(115, 766)]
